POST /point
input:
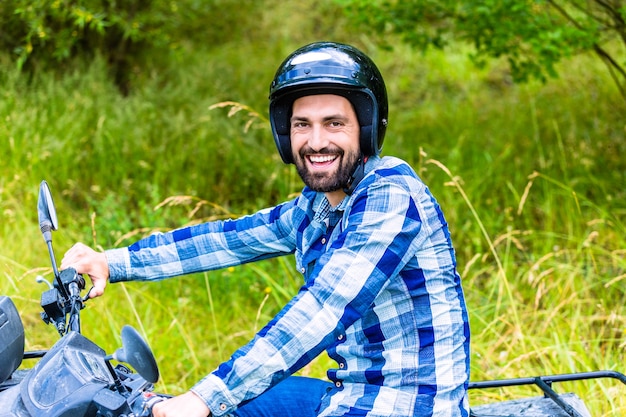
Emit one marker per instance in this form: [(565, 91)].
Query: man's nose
[(318, 139)]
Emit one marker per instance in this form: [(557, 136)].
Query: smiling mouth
[(322, 159)]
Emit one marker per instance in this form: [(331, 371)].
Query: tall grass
[(531, 179)]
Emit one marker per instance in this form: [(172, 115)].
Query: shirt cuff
[(119, 264), (216, 395)]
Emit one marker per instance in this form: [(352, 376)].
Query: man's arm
[(205, 247)]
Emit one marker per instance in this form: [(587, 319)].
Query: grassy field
[(531, 179)]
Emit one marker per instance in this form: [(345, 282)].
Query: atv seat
[(11, 338)]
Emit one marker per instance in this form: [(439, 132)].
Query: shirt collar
[(323, 208)]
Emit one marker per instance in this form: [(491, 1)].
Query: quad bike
[(75, 377)]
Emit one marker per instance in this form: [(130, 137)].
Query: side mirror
[(46, 212), (136, 352), (48, 223)]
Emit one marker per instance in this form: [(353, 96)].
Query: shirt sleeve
[(206, 246), (381, 231)]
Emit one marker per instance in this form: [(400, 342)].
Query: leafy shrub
[(533, 36), (131, 35)]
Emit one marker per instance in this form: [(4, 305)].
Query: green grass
[(531, 179)]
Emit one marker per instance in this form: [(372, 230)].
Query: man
[(381, 293)]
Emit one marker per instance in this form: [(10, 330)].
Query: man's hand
[(185, 405), (87, 261)]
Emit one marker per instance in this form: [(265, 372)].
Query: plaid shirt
[(381, 295)]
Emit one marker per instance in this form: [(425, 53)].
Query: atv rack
[(551, 404)]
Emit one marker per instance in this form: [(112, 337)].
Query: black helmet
[(330, 68)]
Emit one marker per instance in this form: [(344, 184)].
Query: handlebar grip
[(148, 401)]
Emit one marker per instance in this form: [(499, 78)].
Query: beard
[(327, 181)]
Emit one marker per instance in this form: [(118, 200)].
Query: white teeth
[(321, 158)]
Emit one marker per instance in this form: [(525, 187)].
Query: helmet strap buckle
[(356, 176)]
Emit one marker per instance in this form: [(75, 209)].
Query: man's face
[(325, 141)]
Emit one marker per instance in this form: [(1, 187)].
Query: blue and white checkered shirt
[(381, 295)]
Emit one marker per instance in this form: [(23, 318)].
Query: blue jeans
[(296, 396)]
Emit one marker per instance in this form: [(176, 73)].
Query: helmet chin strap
[(357, 175)]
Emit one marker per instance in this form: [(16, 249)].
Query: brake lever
[(86, 297)]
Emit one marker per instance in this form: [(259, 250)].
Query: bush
[(130, 35)]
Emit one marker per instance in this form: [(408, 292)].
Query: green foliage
[(135, 151), (533, 35), (529, 34), (131, 35)]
